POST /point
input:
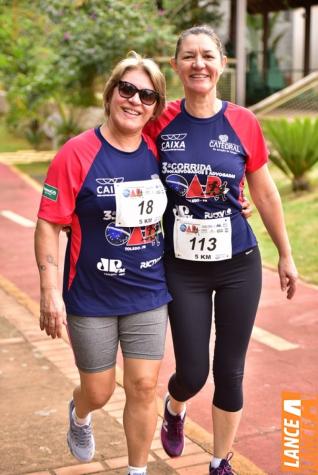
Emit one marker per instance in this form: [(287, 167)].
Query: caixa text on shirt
[(106, 186), (173, 142)]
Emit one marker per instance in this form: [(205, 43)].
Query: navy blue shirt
[(109, 270), (203, 163)]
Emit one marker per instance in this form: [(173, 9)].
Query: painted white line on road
[(16, 218), (274, 341)]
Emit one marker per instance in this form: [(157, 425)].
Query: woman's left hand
[(52, 312), (247, 208), (288, 275)]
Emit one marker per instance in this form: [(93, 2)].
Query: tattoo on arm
[(50, 260), (42, 267)]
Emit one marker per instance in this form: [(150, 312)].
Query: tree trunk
[(300, 183)]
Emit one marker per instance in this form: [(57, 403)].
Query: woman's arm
[(52, 309), (266, 197)]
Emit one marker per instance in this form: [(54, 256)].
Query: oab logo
[(173, 142), (111, 266), (223, 145), (106, 187), (189, 228), (133, 193)]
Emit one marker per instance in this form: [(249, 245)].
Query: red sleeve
[(154, 127), (247, 128), (151, 145), (65, 177)]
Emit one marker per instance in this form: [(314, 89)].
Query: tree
[(24, 59), (55, 50), (184, 14), (90, 36)]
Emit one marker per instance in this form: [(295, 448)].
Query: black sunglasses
[(128, 90)]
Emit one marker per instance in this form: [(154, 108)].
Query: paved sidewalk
[(37, 378)]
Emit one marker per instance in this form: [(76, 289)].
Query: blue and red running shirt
[(108, 270), (203, 163)]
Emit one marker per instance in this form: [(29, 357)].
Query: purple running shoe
[(172, 437), (224, 468)]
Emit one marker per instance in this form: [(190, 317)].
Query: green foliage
[(10, 142), (68, 127), (25, 62), (300, 211), (91, 36), (34, 134), (294, 147), (53, 51), (186, 13)]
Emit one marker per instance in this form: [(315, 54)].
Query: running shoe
[(172, 437), (224, 468), (80, 439)]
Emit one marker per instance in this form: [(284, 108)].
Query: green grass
[(10, 142), (301, 212), (36, 170)]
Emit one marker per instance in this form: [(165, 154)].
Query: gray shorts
[(95, 339)]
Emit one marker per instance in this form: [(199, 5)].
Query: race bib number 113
[(202, 240)]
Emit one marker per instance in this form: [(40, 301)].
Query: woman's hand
[(288, 275), (52, 312), (266, 198), (247, 208)]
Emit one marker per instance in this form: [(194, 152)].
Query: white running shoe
[(80, 439)]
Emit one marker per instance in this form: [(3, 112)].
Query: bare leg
[(140, 414), (94, 391), (176, 406), (225, 425)]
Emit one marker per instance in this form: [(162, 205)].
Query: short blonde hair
[(135, 61)]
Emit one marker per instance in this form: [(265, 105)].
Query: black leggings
[(237, 285)]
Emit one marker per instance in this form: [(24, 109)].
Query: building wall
[(314, 39), (298, 41), (290, 48)]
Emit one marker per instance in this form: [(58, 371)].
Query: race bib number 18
[(202, 240), (139, 203)]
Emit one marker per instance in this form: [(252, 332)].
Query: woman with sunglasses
[(104, 185), (208, 148)]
